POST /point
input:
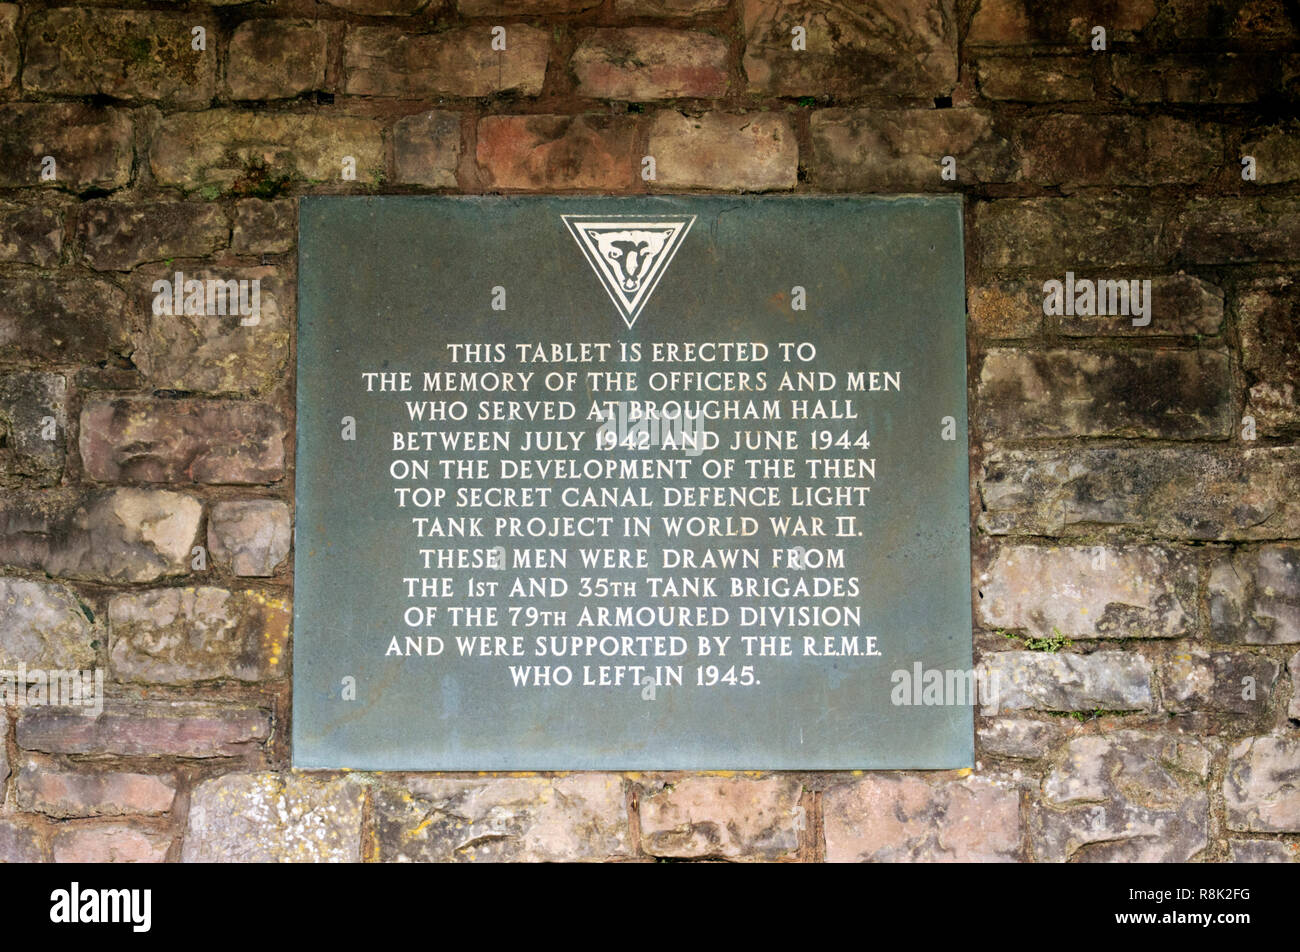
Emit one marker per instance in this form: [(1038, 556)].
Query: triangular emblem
[(628, 254)]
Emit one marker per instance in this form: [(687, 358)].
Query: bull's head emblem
[(632, 251), (628, 254)]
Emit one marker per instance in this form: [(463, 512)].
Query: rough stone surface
[(182, 441), (149, 728), (1041, 79), (648, 63), (184, 635), (1293, 668), (276, 59), (1078, 150), (121, 535), (481, 8), (723, 817), (1124, 797), (1019, 737), (1077, 232), (382, 61), (126, 54), (274, 818), (908, 49), (47, 322), (1171, 394), (1261, 790), (44, 625), (9, 52), (116, 236), (259, 154), (546, 152), (1228, 682), (887, 818), (33, 427), (1255, 596), (19, 842), (571, 818), (212, 352), (1263, 851), (1090, 591), (115, 843), (30, 234), (264, 227), (1268, 314), (1019, 22), (665, 8), (379, 8), (252, 535), (754, 152), (1237, 230), (91, 146), (1221, 80), (426, 149), (43, 787), (1175, 492), (1103, 680), (1276, 152), (901, 149)]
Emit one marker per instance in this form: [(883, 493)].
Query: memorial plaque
[(631, 483)]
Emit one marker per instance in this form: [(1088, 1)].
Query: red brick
[(647, 63), (557, 152)]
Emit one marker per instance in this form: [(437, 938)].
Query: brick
[(280, 818), (30, 234), (115, 843), (1263, 851), (9, 52), (426, 149), (20, 843), (547, 152), (46, 322), (573, 818), (1207, 20), (482, 8), (1268, 321), (1199, 78), (264, 227), (1020, 22), (118, 535), (753, 152), (1019, 737), (1277, 153), (1005, 310), (261, 153), (33, 428), (907, 49), (117, 237), (903, 148), (379, 8), (1171, 394), (147, 728), (1293, 669), (1181, 306), (1075, 232), (382, 61), (252, 536), (214, 353), (187, 635), (1238, 230), (1254, 596), (666, 8), (1221, 682), (1173, 492), (1082, 150), (44, 787), (1090, 591), (1260, 793), (648, 63), (182, 441), (91, 146), (1039, 681), (1124, 797), (276, 59), (722, 817), (44, 625), (889, 818), (135, 55), (1036, 79)]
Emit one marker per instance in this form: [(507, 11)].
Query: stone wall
[(1135, 489)]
